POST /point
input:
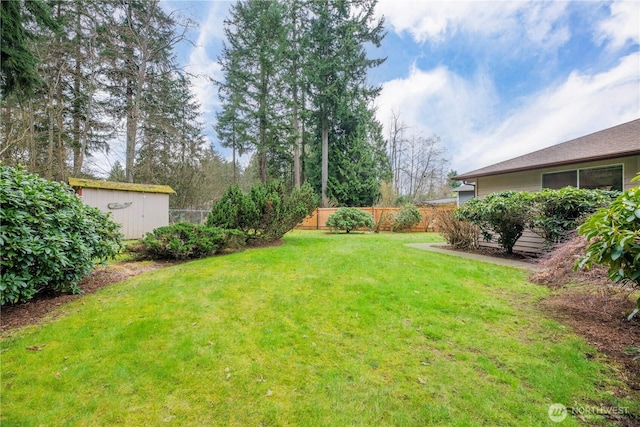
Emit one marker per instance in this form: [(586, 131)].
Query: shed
[(607, 159), (140, 208)]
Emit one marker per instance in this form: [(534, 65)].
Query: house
[(464, 192), (608, 159), (139, 208)]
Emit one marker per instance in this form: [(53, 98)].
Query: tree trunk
[(297, 145), (325, 159)]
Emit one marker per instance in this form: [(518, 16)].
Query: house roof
[(618, 141), (122, 186)]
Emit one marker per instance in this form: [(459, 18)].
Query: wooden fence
[(382, 218)]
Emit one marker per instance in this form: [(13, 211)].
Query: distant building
[(139, 208), (464, 192)]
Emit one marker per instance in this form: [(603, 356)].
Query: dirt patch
[(34, 311), (600, 316)]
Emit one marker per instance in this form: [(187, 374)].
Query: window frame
[(577, 171)]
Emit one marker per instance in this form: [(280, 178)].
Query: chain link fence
[(193, 216)]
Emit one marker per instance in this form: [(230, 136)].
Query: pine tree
[(138, 41), (252, 116), (21, 21), (338, 67)]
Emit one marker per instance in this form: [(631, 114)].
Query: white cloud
[(623, 25), (506, 22), (202, 62), (465, 114), (581, 105)]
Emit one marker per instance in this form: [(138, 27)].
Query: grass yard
[(325, 330)]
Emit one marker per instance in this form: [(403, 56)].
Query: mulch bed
[(34, 311)]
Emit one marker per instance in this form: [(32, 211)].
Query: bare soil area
[(34, 311)]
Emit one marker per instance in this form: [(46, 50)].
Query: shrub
[(504, 214), (184, 240), (50, 239), (265, 214), (556, 214), (348, 219), (614, 235), (385, 221), (408, 216), (459, 234), (234, 210)]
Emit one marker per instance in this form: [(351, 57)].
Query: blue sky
[(493, 80)]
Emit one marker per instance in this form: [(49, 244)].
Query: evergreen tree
[(338, 68), (21, 21), (252, 113), (136, 43)]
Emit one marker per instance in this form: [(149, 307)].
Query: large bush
[(50, 239), (502, 214), (407, 217), (556, 214), (184, 240), (266, 213), (348, 219), (614, 235)]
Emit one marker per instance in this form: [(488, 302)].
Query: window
[(609, 178), (603, 178), (557, 180)]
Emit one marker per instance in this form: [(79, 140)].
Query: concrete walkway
[(440, 248)]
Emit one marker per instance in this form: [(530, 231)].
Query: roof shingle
[(618, 141)]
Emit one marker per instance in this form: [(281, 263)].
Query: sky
[(492, 79)]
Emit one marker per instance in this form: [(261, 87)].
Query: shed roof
[(618, 141), (122, 186)]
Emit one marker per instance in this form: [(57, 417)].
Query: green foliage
[(21, 20), (359, 162), (504, 214), (234, 210), (188, 241), (554, 214), (459, 234), (348, 219), (614, 233), (50, 239), (265, 214), (408, 217)]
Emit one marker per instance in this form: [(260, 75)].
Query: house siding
[(531, 181)]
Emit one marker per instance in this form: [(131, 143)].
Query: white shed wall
[(146, 212)]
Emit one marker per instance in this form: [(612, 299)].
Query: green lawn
[(325, 330)]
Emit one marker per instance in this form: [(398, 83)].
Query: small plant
[(459, 234), (50, 238), (348, 219), (504, 214), (633, 351), (385, 221), (184, 240), (408, 217)]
